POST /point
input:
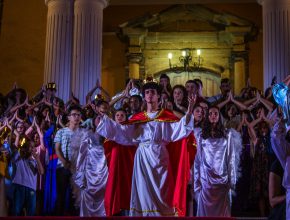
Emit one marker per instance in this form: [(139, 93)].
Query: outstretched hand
[(191, 103)]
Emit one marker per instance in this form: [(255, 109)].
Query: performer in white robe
[(280, 139), (281, 148), (151, 193), (216, 168), (90, 173)]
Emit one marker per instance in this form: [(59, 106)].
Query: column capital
[(60, 1), (134, 57), (103, 3), (274, 3)]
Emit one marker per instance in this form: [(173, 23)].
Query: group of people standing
[(151, 150)]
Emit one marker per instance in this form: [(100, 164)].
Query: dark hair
[(191, 81), (261, 125), (259, 106), (43, 107), (74, 107), (151, 85), (22, 92), (220, 131), (228, 107), (225, 80), (196, 106), (164, 76), (168, 86), (137, 97), (183, 89), (200, 123), (198, 81), (248, 114), (101, 102)]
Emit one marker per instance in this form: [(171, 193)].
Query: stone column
[(239, 75), (276, 38), (57, 64), (87, 54), (134, 65)]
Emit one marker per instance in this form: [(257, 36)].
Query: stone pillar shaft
[(57, 67), (276, 37), (88, 23), (239, 76), (134, 71)]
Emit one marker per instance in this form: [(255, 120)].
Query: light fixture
[(189, 64)]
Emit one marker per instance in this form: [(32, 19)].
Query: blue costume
[(50, 180), (281, 94)]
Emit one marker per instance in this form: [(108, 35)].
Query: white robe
[(282, 150), (90, 173), (216, 172), (151, 194)]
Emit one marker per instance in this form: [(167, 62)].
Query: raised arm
[(252, 133), (16, 107), (124, 94), (40, 133), (118, 98), (280, 145), (223, 103), (242, 122), (108, 97), (240, 105), (17, 118), (122, 134), (181, 129), (30, 129), (91, 92)]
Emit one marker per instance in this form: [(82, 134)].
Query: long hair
[(168, 86), (219, 131), (184, 99)]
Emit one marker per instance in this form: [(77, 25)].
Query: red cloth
[(181, 154), (120, 161)]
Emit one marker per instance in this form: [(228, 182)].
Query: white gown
[(216, 172), (90, 173), (151, 193), (282, 150)]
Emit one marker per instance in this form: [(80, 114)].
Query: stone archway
[(221, 38)]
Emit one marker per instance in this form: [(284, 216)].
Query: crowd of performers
[(151, 150)]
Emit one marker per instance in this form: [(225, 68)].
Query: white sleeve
[(234, 152), (177, 130), (122, 134), (279, 144)]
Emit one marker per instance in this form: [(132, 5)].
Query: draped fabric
[(90, 172), (216, 171), (282, 150), (50, 193), (120, 160), (161, 167)]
